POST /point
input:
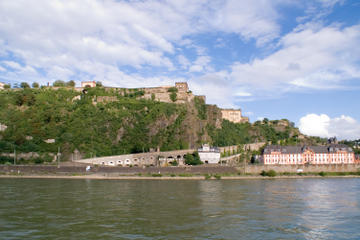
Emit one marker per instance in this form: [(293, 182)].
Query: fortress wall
[(139, 159), (256, 169)]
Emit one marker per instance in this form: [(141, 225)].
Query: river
[(327, 208)]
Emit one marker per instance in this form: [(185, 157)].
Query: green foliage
[(174, 163), (173, 90), (119, 127), (24, 85), (156, 175), (201, 107), (173, 96), (70, 83), (270, 173), (230, 134), (193, 159), (59, 83), (35, 85), (7, 86), (99, 84), (217, 176)]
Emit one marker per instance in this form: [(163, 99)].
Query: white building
[(2, 85), (209, 155)]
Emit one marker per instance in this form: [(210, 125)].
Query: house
[(2, 85), (209, 154), (330, 154)]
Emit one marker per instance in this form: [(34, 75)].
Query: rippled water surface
[(180, 209)]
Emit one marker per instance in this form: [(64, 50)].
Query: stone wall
[(250, 146), (140, 159), (256, 169)]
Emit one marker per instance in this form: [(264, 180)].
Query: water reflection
[(253, 209)]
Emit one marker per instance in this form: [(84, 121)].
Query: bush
[(174, 163), (156, 175), (193, 159), (270, 173), (173, 96), (323, 174), (207, 176), (217, 176)]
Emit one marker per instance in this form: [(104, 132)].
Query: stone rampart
[(234, 148), (256, 169), (140, 159)]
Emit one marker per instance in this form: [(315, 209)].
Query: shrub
[(193, 159), (173, 96), (174, 163), (156, 175), (207, 176), (217, 176), (270, 173), (323, 174)]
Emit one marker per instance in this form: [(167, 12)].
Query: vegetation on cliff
[(103, 122)]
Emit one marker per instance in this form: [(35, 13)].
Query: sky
[(274, 59)]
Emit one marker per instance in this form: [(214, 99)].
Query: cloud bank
[(343, 127)]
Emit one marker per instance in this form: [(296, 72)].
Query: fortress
[(179, 94)]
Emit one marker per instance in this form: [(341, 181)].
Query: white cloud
[(343, 127), (313, 57), (54, 36), (201, 64)]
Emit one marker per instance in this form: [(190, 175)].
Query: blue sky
[(291, 59)]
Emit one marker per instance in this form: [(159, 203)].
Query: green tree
[(35, 85), (99, 84), (7, 86), (193, 159), (59, 83), (24, 85), (173, 96), (70, 83)]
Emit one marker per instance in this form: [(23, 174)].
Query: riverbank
[(167, 173), (171, 177)]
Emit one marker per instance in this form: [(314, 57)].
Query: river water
[(180, 209)]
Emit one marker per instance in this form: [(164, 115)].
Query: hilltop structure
[(2, 85), (179, 94), (233, 115), (331, 154)]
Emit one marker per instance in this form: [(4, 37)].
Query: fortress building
[(88, 84), (331, 154), (233, 115)]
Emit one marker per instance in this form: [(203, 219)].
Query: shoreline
[(199, 177)]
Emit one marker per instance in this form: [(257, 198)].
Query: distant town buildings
[(209, 154), (331, 154), (233, 115), (2, 85)]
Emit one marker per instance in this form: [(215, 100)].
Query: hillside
[(105, 122)]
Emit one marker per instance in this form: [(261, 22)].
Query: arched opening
[(127, 162)]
